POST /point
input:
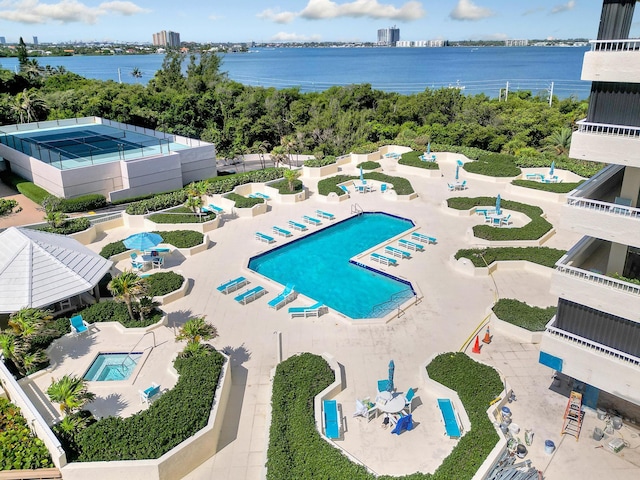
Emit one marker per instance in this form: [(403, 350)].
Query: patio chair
[(396, 252), (311, 220), (496, 221), (449, 418), (384, 260), (157, 262), (331, 419), (137, 266), (314, 310), (297, 226), (416, 247), (287, 295), (149, 394), (383, 188), (408, 400), (264, 238), (365, 408), (506, 220), (344, 189), (250, 295), (451, 187), (232, 285), (281, 231), (383, 385), (78, 325), (327, 215)]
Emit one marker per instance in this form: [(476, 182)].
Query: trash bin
[(549, 446), (617, 423), (598, 434)]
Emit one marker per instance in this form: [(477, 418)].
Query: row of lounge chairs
[(259, 195), (211, 208), (300, 227), (391, 253)]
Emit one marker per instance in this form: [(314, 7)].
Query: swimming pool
[(318, 265), (112, 366)]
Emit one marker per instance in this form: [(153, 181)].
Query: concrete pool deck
[(453, 306)]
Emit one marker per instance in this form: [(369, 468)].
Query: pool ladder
[(128, 356), (356, 209)]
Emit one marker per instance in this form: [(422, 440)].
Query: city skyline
[(295, 21)]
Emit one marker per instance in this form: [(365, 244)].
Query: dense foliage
[(533, 230), (162, 283), (111, 311), (113, 248), (548, 187), (315, 163), (20, 449), (244, 202), (522, 315), (370, 165), (69, 226), (402, 186), (182, 238), (283, 187), (412, 159), (181, 215), (84, 203), (544, 256), (177, 415), (7, 206), (494, 165)]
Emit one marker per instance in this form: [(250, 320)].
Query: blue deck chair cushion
[(331, 425), (405, 423), (77, 323)]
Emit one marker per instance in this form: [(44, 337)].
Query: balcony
[(600, 142), (580, 276), (597, 209), (612, 61)]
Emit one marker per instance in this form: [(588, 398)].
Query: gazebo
[(45, 270)]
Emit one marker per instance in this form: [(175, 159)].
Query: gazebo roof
[(39, 268)]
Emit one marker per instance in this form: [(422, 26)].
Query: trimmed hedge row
[(243, 202), (315, 163), (402, 186), (522, 315), (181, 215), (177, 238), (283, 187), (494, 165), (112, 311), (174, 417), (533, 230), (548, 187), (411, 159), (544, 256), (162, 283), (84, 203), (370, 165), (71, 225)]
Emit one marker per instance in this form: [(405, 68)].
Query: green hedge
[(55, 329), (411, 159), (174, 417), (181, 215), (71, 225), (494, 165), (370, 165), (112, 311), (544, 256), (113, 248), (20, 449), (283, 187), (402, 186), (25, 187), (162, 283), (547, 187), (315, 163), (7, 206), (85, 203), (243, 202), (522, 315), (533, 230)]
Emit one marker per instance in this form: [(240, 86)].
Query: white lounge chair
[(287, 295), (314, 310), (264, 238), (250, 295), (149, 394)]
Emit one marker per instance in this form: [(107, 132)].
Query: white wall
[(605, 66)]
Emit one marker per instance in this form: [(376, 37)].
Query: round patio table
[(391, 403)]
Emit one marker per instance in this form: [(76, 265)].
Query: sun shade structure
[(142, 241), (38, 269)]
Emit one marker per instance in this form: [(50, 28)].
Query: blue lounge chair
[(250, 295), (420, 237), (232, 285), (376, 257), (285, 297), (451, 426), (262, 195), (264, 238), (383, 188), (149, 394), (313, 311), (281, 231), (485, 210), (311, 220), (297, 226), (408, 400), (416, 247), (396, 252), (215, 209), (404, 423), (327, 215), (331, 419), (78, 325), (344, 189)]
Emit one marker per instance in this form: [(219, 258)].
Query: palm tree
[(195, 330), (278, 155), (70, 392), (126, 287), (290, 176), (29, 321), (560, 141), (56, 219), (30, 104), (9, 348), (195, 191)]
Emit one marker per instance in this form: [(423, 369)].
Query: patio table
[(388, 402)]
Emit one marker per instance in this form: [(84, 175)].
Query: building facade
[(166, 38), (594, 339), (388, 37)]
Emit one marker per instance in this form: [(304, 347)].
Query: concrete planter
[(254, 211), (417, 171), (522, 334), (175, 295), (333, 197), (289, 198), (319, 172), (539, 195), (90, 234), (485, 178), (512, 243), (196, 227), (464, 265)]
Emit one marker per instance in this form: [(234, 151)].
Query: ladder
[(573, 415)]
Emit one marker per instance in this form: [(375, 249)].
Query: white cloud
[(294, 37), (467, 10), (565, 7), (65, 11), (215, 17), (324, 9)]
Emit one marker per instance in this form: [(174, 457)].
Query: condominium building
[(516, 43), (594, 339), (166, 39), (388, 37)]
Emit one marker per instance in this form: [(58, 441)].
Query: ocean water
[(404, 70)]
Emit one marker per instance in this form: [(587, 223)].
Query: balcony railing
[(626, 45), (590, 344), (598, 278), (608, 130), (598, 206)]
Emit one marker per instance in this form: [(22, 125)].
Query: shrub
[(533, 230), (229, 182), (7, 206), (243, 202), (522, 315), (182, 238), (162, 283), (315, 163), (544, 256), (112, 311), (55, 329), (113, 248), (84, 203), (71, 225), (158, 202), (370, 165), (328, 185), (494, 165), (20, 449), (547, 187), (283, 187), (181, 215), (33, 192), (402, 186), (177, 415), (411, 159)]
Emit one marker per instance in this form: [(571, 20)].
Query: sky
[(298, 20)]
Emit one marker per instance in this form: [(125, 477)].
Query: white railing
[(598, 206), (590, 344), (609, 130), (599, 279), (625, 45)]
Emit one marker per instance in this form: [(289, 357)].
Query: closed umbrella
[(142, 241), (553, 167), (457, 169), (498, 211), (361, 175), (392, 367), (428, 148)]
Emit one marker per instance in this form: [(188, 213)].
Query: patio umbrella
[(553, 167), (361, 175), (142, 241), (498, 211), (392, 367), (428, 148), (457, 168)]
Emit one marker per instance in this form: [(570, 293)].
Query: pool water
[(112, 366), (318, 266)]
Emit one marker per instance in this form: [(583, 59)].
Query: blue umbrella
[(457, 168), (361, 175), (498, 211), (428, 148), (142, 241), (392, 367), (553, 167)]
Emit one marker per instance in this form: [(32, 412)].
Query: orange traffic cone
[(487, 337), (476, 346)]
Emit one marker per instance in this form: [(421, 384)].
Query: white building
[(595, 336), (388, 37), (516, 43)]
